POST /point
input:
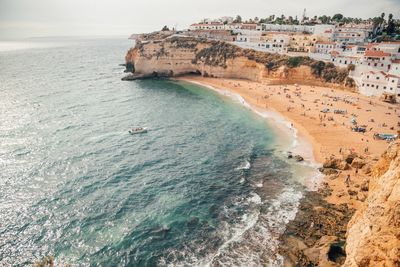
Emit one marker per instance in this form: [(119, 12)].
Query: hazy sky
[(33, 18)]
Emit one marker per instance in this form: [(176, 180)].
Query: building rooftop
[(376, 53), (325, 42)]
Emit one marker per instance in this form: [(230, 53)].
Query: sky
[(41, 18)]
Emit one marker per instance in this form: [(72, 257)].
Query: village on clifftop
[(370, 49)]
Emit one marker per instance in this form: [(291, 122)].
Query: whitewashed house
[(322, 50), (207, 26), (377, 59), (352, 33), (393, 48), (274, 43), (375, 83), (323, 47), (395, 67), (233, 26), (267, 27)]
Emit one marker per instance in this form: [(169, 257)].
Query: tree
[(351, 67), (165, 28), (337, 17), (323, 19), (391, 27), (238, 19)]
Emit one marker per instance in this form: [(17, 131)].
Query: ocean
[(208, 184)]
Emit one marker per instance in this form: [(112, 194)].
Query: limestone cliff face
[(178, 56), (373, 236), (174, 57)]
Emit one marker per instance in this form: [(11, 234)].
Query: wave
[(254, 239), (286, 132), (245, 166)]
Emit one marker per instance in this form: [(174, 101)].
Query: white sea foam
[(245, 166), (286, 132), (252, 241)]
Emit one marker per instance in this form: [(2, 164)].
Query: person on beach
[(347, 180)]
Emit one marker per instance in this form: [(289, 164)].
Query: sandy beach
[(329, 133)]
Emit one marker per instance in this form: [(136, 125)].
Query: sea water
[(207, 184)]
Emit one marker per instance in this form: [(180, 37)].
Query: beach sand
[(329, 133)]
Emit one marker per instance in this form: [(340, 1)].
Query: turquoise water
[(205, 186)]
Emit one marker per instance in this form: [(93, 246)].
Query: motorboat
[(138, 130)]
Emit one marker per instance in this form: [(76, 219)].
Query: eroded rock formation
[(175, 56), (373, 235)]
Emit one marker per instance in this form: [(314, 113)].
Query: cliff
[(373, 233), (176, 56)]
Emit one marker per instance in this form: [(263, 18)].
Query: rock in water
[(298, 158)]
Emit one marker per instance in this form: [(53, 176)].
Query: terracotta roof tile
[(375, 53)]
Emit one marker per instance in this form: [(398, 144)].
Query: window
[(377, 87), (391, 88), (367, 84), (363, 84), (377, 78), (367, 76), (392, 81)]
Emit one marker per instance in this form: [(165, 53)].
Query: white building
[(266, 27), (377, 59), (392, 48), (274, 43), (342, 59), (207, 26), (376, 83), (352, 33), (323, 29), (233, 26), (322, 47), (395, 67)]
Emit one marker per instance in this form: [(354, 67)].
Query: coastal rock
[(373, 232), (320, 226), (177, 56), (351, 192), (298, 158), (364, 186), (331, 163), (335, 163), (349, 156), (367, 169), (362, 196), (358, 163), (333, 176), (329, 171), (340, 193)]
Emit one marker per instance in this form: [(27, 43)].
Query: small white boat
[(138, 130)]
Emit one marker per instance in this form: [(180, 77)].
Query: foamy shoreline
[(284, 129)]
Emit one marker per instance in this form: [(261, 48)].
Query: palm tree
[(382, 20)]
